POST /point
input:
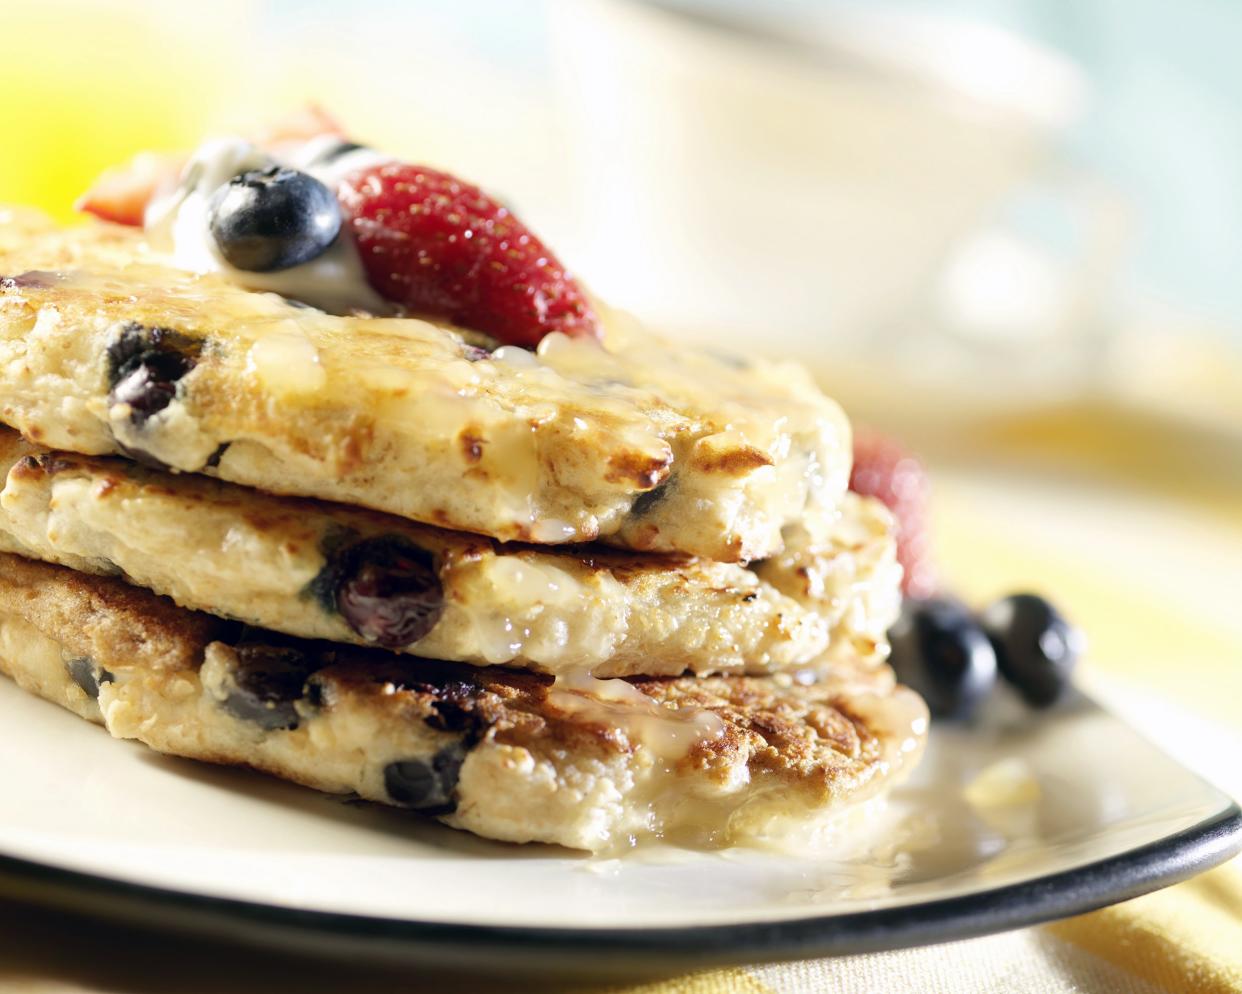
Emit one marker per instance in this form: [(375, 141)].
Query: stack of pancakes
[(585, 595)]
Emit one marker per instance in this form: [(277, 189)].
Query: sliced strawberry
[(122, 193), (884, 470), (445, 249)]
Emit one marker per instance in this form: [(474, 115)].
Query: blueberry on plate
[(1036, 648), (273, 218), (939, 650)]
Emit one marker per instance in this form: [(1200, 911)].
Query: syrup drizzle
[(670, 733)]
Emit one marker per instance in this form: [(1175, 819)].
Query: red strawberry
[(882, 469), (445, 249)]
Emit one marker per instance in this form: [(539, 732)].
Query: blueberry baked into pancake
[(321, 463)]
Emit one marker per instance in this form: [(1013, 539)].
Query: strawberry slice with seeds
[(443, 248)]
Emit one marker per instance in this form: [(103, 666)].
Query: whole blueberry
[(1036, 648), (274, 218), (939, 650)]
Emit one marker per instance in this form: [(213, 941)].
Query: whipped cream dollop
[(179, 223)]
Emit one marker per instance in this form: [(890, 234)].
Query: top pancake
[(639, 442)]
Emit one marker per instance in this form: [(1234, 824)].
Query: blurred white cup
[(800, 182)]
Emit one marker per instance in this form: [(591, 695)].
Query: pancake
[(324, 571), (843, 567), (638, 442), (507, 755)]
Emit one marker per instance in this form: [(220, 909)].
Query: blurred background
[(1007, 231)]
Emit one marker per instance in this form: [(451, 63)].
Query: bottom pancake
[(508, 755)]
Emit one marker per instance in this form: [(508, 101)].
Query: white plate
[(1098, 815)]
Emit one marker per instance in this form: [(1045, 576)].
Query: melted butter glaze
[(670, 733), (287, 362)]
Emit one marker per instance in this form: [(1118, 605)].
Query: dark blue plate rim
[(637, 950)]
